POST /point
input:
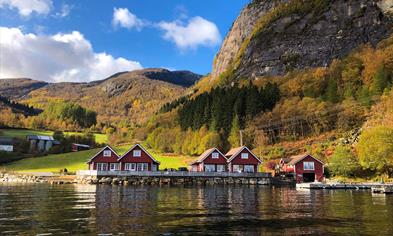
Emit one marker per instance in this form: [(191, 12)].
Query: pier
[(375, 187)]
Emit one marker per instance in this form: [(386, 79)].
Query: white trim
[(306, 155), (98, 153), (209, 153), (237, 153), (140, 146)]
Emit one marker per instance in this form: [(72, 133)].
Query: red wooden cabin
[(241, 159), (212, 160), (305, 168), (104, 160), (138, 159)]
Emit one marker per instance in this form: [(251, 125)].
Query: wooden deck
[(386, 189), (170, 174), (340, 185)]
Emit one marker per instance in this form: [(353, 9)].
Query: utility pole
[(241, 138)]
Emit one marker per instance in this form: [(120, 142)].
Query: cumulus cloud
[(196, 32), (27, 7), (56, 58), (124, 18)]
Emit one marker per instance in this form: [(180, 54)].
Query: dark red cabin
[(138, 159), (104, 160), (241, 159), (212, 160), (305, 168)]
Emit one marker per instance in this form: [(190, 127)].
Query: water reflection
[(235, 210)]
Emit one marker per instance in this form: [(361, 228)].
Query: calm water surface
[(225, 210)]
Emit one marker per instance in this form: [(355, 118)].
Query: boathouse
[(305, 168), (212, 160), (138, 159), (105, 160), (241, 159)]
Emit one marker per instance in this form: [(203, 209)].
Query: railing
[(171, 174)]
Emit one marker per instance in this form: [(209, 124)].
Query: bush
[(343, 162)]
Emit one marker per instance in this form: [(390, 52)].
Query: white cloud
[(55, 58), (27, 7), (64, 11), (124, 18), (197, 32)]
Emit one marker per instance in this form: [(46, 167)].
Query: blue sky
[(84, 40)]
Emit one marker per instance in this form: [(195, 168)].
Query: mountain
[(294, 76), (127, 96), (271, 38), (17, 88)]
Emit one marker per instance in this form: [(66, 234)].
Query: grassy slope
[(77, 161), (21, 133)]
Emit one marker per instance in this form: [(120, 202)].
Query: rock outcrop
[(297, 34)]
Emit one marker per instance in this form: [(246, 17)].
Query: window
[(107, 153), (210, 168), (215, 155), (114, 166), (220, 168), (244, 155), (142, 167), (137, 153), (130, 167), (249, 168), (237, 168), (308, 166), (102, 166)]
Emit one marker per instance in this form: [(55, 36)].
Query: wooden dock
[(386, 189), (317, 185)]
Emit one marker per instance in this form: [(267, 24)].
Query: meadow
[(77, 161), (22, 133)]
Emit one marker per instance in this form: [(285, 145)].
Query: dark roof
[(297, 158), (6, 141)]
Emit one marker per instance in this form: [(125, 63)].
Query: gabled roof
[(235, 151), (298, 158), (106, 147), (286, 160), (140, 146), (205, 154), (40, 137)]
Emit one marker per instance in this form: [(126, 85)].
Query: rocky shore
[(133, 180)]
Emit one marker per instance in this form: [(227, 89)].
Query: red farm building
[(212, 160), (138, 159), (241, 159), (305, 168), (104, 160)]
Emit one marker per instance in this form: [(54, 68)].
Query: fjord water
[(32, 209)]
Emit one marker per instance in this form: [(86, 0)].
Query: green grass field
[(77, 161), (21, 133)]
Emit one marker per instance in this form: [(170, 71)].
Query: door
[(308, 177)]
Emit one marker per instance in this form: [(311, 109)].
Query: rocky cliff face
[(274, 37)]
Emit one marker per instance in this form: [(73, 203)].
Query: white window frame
[(209, 168), (244, 155), (308, 165), (114, 166), (130, 166), (142, 167), (102, 166), (107, 153), (137, 153), (249, 168), (215, 155), (221, 168), (237, 168)]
